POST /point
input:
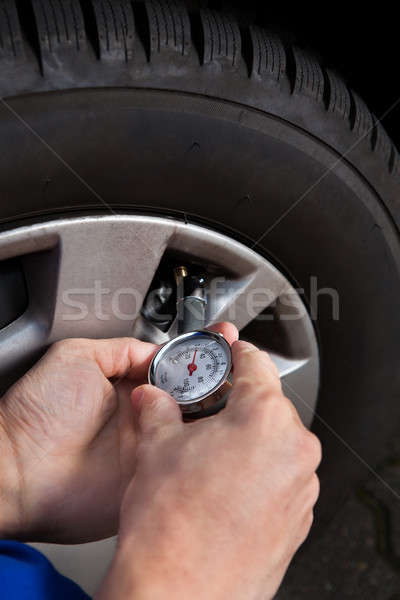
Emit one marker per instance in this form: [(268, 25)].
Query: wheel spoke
[(104, 276), (241, 301), (301, 387)]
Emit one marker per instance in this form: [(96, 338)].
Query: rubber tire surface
[(159, 108)]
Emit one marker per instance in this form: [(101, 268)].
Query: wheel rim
[(88, 277)]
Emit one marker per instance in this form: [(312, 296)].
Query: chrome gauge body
[(193, 368)]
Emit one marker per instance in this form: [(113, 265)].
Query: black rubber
[(57, 44), (154, 107)]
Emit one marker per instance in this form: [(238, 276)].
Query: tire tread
[(60, 25), (224, 49), (338, 96), (10, 32), (222, 40), (309, 79), (169, 27), (115, 28), (269, 57)]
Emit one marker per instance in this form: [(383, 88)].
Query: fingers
[(255, 381), (127, 357), (116, 357), (228, 330), (156, 413), (254, 374), (124, 357)]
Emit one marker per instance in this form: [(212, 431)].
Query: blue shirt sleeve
[(26, 574)]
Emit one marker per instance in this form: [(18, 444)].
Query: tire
[(155, 107)]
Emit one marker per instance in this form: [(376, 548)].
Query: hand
[(68, 442), (216, 508)]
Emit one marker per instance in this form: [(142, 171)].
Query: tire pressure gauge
[(193, 368)]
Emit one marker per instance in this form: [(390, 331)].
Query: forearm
[(131, 578)]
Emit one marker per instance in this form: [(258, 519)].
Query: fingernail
[(246, 346), (137, 397)]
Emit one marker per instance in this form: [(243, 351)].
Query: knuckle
[(308, 522), (259, 383), (270, 363), (303, 529), (244, 384), (68, 348), (57, 346), (314, 488), (61, 347), (315, 449), (259, 361), (310, 448), (67, 344), (267, 414)]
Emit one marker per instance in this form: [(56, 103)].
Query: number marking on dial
[(192, 369)]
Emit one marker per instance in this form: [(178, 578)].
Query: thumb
[(157, 414)]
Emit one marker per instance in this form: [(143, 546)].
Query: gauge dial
[(192, 366)]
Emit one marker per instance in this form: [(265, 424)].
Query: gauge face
[(191, 366)]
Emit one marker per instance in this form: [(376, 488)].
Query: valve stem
[(179, 274)]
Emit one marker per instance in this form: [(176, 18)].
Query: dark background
[(358, 40)]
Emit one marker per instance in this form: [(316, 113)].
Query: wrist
[(127, 579), (137, 573)]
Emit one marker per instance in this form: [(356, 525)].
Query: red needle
[(192, 366)]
